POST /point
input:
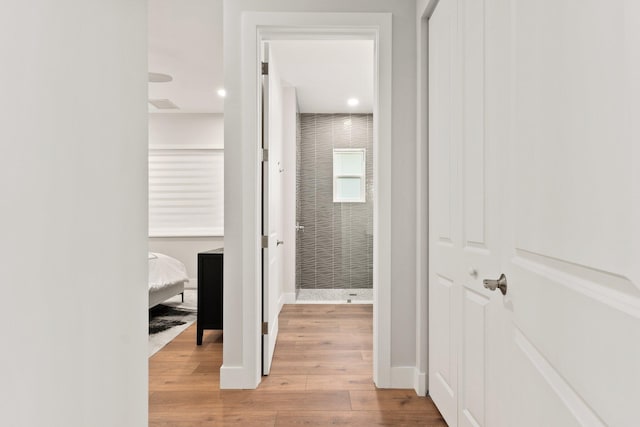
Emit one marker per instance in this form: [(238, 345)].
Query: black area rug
[(163, 317)]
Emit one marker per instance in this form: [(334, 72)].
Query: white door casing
[(272, 207), (242, 356), (532, 169)]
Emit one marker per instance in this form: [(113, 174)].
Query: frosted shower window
[(349, 175)]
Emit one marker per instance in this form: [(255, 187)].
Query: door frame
[(261, 26), (422, 194)]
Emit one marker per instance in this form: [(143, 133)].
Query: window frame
[(362, 198)]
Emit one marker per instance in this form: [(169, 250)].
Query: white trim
[(423, 12), (236, 377), (403, 377), (420, 382), (376, 26), (286, 298), (184, 147), (186, 233), (362, 176), (409, 377)]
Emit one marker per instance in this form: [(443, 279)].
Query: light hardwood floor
[(321, 376)]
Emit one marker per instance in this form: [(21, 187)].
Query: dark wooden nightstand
[(209, 291)]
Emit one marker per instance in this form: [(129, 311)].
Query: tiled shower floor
[(334, 296)]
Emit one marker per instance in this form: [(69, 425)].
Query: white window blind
[(186, 192)]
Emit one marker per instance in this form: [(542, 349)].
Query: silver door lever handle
[(501, 284), (279, 242)]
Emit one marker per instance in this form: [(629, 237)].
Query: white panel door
[(573, 228), (467, 320), (444, 237), (534, 164), (271, 208)]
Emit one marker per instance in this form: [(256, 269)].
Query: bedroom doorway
[(186, 147)]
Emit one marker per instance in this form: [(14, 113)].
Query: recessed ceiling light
[(222, 93), (159, 78), (352, 102)]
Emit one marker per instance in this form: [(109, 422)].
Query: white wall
[(289, 190), (241, 262), (181, 130), (170, 129), (73, 180)]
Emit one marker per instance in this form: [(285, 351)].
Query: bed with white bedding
[(167, 277)]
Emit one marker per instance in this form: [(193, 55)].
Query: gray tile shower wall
[(335, 250)]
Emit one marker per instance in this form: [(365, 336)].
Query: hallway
[(321, 375)]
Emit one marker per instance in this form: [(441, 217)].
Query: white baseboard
[(409, 377), (192, 284), (402, 376), (286, 298), (236, 378), (420, 383)]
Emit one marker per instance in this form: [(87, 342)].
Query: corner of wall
[(286, 298), (402, 376), (420, 383), (424, 8), (409, 377), (236, 377)]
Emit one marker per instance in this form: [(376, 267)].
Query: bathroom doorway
[(277, 27), (330, 149)]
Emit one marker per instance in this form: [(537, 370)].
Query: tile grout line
[(315, 201), (334, 278)]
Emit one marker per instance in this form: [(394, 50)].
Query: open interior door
[(271, 206)]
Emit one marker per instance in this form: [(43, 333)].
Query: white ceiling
[(185, 41), (326, 73)]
